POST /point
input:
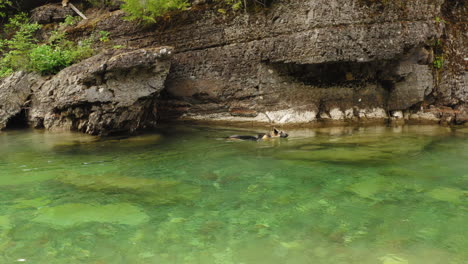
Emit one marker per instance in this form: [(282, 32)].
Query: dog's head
[(279, 133)]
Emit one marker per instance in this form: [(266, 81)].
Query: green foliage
[(438, 48), (23, 39), (235, 4), (50, 59), (439, 20), (22, 51), (71, 20), (438, 62), (3, 5), (104, 36), (149, 10), (14, 50), (58, 53), (57, 36)]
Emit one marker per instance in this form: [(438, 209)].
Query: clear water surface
[(186, 195)]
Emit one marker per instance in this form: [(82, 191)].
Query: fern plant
[(14, 51), (22, 51), (4, 4)]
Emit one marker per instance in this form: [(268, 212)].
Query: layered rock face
[(303, 61), (297, 61), (108, 93)]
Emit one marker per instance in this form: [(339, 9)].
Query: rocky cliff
[(111, 92), (297, 61)]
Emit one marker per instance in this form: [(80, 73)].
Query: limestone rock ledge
[(111, 92), (303, 61)]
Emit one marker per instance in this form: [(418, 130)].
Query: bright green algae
[(187, 195)]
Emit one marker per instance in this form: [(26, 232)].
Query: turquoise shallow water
[(186, 195)]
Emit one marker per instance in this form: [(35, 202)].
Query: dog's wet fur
[(270, 135)]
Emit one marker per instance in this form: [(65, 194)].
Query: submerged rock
[(25, 176), (446, 194), (5, 222), (109, 182), (31, 203), (355, 148), (392, 259), (68, 215), (154, 191), (142, 140)]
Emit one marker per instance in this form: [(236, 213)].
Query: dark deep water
[(185, 195)]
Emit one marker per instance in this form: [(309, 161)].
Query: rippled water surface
[(186, 195)]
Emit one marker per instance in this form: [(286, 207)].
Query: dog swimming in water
[(270, 135)]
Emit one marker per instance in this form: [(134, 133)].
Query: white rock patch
[(374, 113), (291, 116), (337, 114)]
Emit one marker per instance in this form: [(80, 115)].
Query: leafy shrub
[(22, 52), (104, 36), (71, 20), (23, 38), (3, 7), (438, 48), (50, 59), (15, 50), (149, 10), (438, 62)]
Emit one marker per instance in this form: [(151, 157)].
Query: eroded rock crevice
[(18, 121), (343, 74)]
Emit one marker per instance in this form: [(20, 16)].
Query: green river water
[(383, 195)]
